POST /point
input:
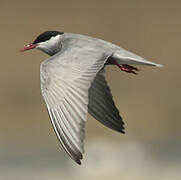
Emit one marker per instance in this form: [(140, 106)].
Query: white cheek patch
[(54, 40), (49, 43)]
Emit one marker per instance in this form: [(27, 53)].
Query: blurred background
[(149, 102)]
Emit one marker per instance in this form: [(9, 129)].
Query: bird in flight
[(73, 83)]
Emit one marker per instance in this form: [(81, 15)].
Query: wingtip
[(122, 131), (78, 161)]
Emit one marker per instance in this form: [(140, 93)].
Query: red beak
[(28, 47)]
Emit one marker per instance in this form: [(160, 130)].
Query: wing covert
[(64, 85)]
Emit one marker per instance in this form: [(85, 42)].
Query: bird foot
[(127, 68)]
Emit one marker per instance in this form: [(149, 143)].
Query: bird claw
[(127, 68)]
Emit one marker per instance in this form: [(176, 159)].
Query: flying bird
[(73, 83)]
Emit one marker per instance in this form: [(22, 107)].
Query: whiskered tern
[(73, 83)]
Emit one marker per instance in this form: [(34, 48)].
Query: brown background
[(150, 102)]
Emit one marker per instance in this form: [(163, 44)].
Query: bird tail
[(126, 57)]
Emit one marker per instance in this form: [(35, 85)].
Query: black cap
[(46, 36)]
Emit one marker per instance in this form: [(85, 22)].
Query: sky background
[(149, 102)]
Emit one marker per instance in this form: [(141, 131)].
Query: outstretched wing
[(101, 105), (65, 80)]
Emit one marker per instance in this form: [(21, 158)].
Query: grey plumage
[(101, 105), (65, 90), (73, 83)]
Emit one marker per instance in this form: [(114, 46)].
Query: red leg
[(126, 68)]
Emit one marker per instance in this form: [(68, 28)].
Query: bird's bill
[(28, 47)]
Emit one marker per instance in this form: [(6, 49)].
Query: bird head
[(48, 42)]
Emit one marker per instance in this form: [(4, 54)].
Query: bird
[(73, 84)]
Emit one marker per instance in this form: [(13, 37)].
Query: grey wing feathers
[(65, 91), (101, 105)]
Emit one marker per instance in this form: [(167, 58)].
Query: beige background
[(149, 102)]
